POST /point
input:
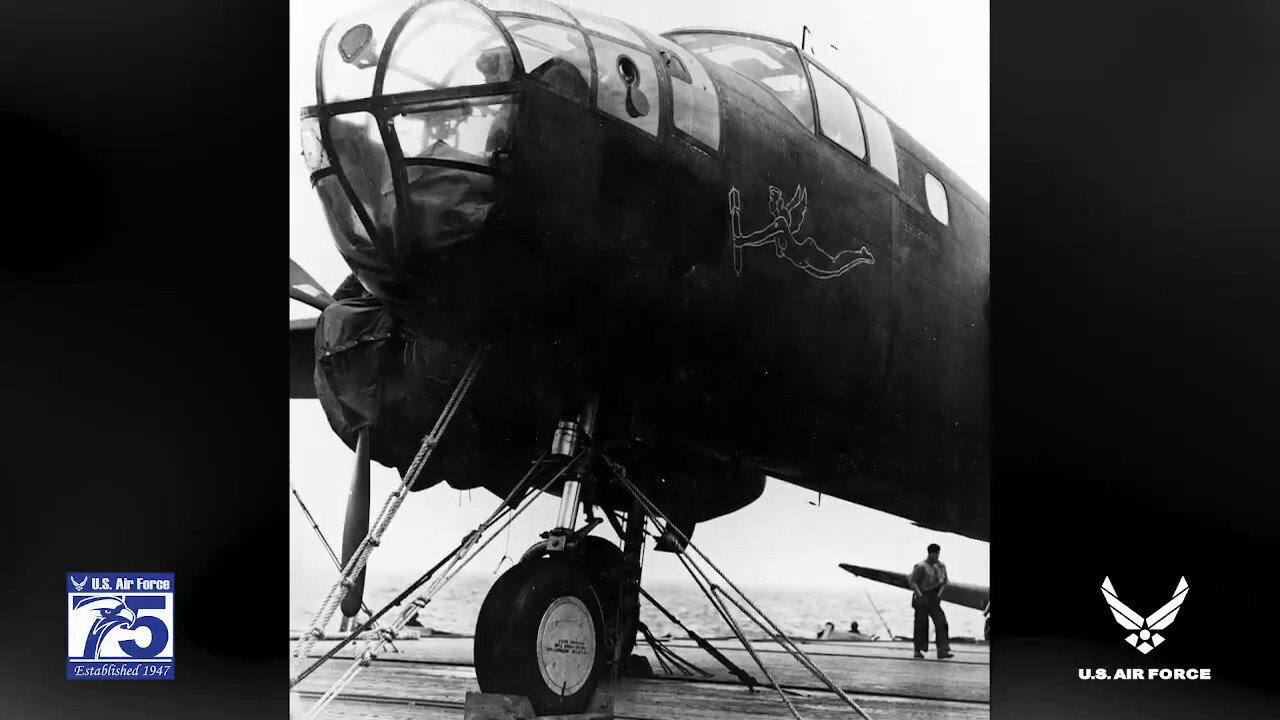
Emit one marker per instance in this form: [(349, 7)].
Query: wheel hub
[(566, 645)]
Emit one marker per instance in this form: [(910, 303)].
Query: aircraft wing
[(973, 596), (302, 353), (304, 288), (302, 358)]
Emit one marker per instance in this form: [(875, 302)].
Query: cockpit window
[(313, 152), (468, 130), (554, 55), (628, 88), (838, 113), (361, 154), (607, 26), (772, 66), (444, 45), (695, 107), (347, 68), (936, 196), (884, 154), (529, 7)]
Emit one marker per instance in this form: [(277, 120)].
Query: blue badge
[(119, 626)]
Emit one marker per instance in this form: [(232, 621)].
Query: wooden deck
[(429, 678)]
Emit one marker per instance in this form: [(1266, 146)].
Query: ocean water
[(800, 612)]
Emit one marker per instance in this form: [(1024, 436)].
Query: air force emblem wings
[(1145, 627), (79, 585)]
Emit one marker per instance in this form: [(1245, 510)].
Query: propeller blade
[(357, 524), (305, 288), (302, 358)]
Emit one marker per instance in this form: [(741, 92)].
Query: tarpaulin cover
[(370, 372), (446, 205)]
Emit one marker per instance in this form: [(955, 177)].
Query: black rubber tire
[(601, 560), (506, 642)]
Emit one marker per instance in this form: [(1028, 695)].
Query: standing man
[(928, 578)]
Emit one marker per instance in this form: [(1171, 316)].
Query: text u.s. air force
[(1145, 674)]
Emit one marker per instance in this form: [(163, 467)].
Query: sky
[(925, 63)]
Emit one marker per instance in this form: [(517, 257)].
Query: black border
[(1133, 340)]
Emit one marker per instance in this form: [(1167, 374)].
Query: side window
[(775, 68), (619, 66), (554, 55), (884, 155), (695, 106), (936, 195), (601, 25), (837, 113)]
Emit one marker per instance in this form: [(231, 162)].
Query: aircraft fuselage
[(769, 300)]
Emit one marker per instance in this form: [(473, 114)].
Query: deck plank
[(433, 685), (965, 678), (459, 649)]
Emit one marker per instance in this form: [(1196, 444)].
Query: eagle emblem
[(110, 612), (1145, 639)]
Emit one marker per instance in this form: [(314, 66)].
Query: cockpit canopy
[(454, 43), (418, 102)]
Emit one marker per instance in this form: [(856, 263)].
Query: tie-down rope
[(452, 564), (389, 509), (329, 548), (759, 617)]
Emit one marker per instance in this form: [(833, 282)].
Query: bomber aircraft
[(700, 257)]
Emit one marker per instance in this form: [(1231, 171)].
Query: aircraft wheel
[(541, 635), (601, 560)]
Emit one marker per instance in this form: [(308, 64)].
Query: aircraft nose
[(416, 110)]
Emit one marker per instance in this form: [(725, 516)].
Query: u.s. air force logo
[(1145, 638), (119, 626)]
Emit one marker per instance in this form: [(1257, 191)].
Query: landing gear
[(549, 626), (606, 568), (541, 635)]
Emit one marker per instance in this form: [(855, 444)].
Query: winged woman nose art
[(1145, 639), (783, 232)]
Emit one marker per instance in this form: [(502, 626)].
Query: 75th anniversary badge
[(119, 626)]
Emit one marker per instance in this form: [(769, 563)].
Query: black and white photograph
[(639, 360), (646, 360)]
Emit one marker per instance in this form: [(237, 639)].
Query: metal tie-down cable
[(712, 590)]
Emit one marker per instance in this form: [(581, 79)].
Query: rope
[(370, 651), (742, 638), (389, 509), (873, 607), (455, 562), (499, 512), (329, 548), (738, 633), (657, 651), (763, 620), (741, 674), (660, 650)]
